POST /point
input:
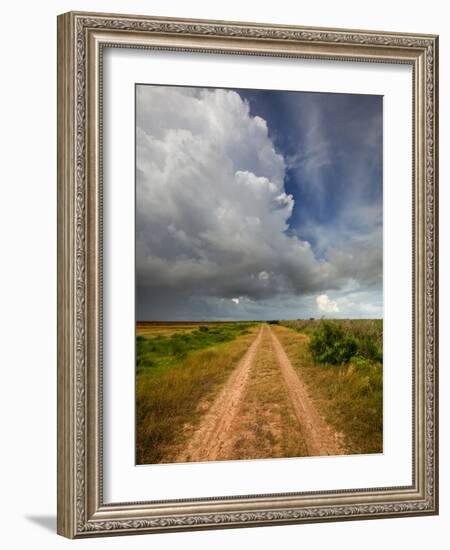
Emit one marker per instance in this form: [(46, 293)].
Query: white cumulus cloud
[(211, 208), (326, 305)]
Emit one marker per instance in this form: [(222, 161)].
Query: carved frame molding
[(81, 39)]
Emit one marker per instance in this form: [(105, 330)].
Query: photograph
[(258, 274)]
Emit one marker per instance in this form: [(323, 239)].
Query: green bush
[(369, 349), (330, 344)]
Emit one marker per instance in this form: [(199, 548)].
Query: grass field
[(177, 368), (348, 394), (182, 367), (150, 329)]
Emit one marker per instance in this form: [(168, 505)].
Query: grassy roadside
[(349, 396), (174, 376)]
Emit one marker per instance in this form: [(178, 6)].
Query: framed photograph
[(247, 276)]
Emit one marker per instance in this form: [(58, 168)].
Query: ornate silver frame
[(81, 38)]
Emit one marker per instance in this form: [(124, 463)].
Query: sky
[(257, 204)]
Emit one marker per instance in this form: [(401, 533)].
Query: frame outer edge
[(75, 256), (66, 524), (436, 271)]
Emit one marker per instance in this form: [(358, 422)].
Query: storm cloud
[(219, 225)]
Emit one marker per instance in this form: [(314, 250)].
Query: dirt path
[(262, 411), (319, 437), (266, 425), (212, 433)]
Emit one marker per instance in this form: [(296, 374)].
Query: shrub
[(369, 349), (330, 344)]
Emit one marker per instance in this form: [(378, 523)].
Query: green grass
[(162, 351), (348, 394), (173, 374)]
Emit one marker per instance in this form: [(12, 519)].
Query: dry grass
[(349, 396), (171, 396), (150, 329), (163, 330)]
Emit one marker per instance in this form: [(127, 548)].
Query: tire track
[(212, 433), (320, 438)]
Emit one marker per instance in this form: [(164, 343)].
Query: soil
[(263, 410), (320, 438), (212, 433)]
